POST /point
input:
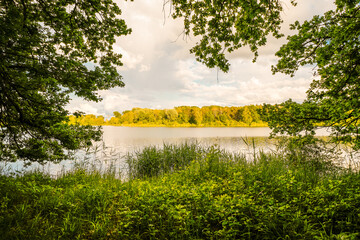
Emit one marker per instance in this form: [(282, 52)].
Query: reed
[(186, 192), (153, 161)]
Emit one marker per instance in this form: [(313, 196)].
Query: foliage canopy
[(184, 116), (228, 25), (330, 43), (50, 50)]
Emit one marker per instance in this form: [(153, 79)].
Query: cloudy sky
[(159, 72)]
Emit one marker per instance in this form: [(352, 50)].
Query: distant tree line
[(208, 116)]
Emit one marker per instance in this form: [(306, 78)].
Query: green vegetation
[(49, 55), (225, 26), (329, 43), (51, 50), (189, 192), (184, 116)]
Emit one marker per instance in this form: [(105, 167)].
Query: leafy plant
[(51, 50), (215, 196)]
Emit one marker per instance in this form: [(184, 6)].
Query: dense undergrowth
[(187, 192)]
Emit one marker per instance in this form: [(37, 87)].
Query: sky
[(160, 73)]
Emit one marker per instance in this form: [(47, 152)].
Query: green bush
[(211, 195)]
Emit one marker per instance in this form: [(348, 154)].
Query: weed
[(186, 192)]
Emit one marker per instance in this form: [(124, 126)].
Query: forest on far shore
[(183, 116)]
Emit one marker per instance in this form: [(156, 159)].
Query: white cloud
[(144, 68), (129, 59), (82, 106), (159, 72), (189, 70)]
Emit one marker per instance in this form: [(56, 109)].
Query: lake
[(118, 141), (127, 139)]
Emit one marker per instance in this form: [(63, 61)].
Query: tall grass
[(153, 161), (186, 192)]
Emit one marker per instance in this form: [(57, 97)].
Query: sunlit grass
[(186, 192)]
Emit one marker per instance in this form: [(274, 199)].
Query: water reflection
[(118, 141)]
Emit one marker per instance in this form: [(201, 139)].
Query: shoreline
[(179, 126)]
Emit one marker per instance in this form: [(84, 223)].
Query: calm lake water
[(127, 139), (118, 141)]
